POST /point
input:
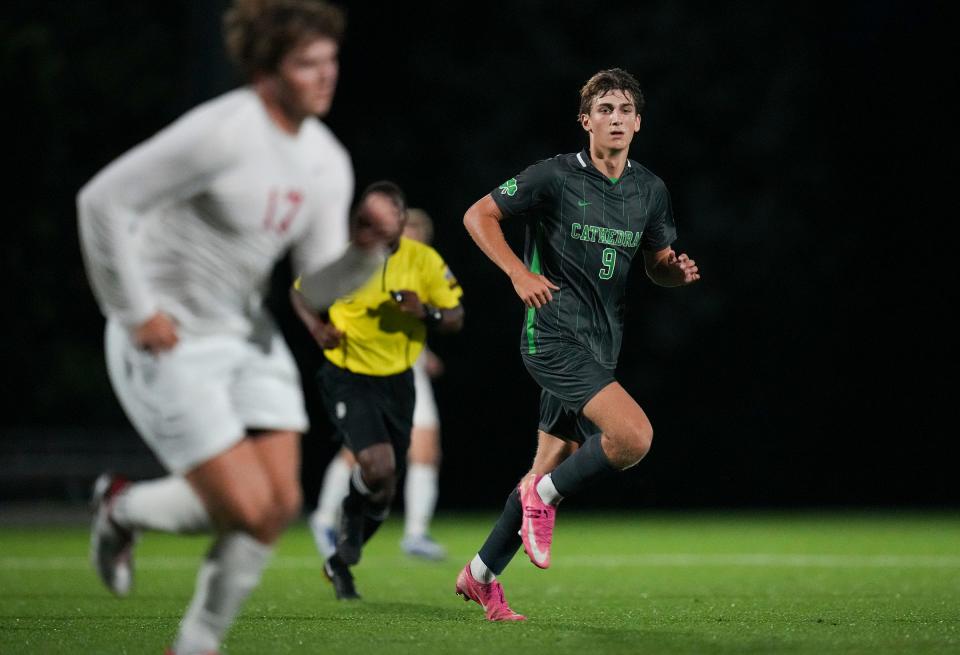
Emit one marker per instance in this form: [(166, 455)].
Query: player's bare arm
[(450, 320), (322, 330), (482, 221), (379, 222), (667, 269), (326, 334), (433, 365)]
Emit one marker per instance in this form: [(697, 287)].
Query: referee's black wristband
[(432, 315)]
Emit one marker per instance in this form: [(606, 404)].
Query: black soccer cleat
[(350, 535), (340, 577)]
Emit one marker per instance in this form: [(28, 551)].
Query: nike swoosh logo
[(583, 203), (538, 554)]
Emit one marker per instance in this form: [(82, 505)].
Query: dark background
[(807, 150)]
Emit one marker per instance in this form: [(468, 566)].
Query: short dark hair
[(390, 189), (613, 79), (258, 33)]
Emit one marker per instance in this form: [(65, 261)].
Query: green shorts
[(568, 377)]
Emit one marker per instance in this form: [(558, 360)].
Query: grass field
[(727, 583)]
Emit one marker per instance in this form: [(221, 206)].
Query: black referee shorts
[(568, 377), (369, 409)]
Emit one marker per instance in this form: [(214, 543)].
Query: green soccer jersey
[(583, 231)]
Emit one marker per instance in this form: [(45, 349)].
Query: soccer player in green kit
[(587, 214)]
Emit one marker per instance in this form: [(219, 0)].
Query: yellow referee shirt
[(378, 338)]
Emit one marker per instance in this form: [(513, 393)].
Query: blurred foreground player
[(371, 339), (423, 459), (587, 215), (179, 236)]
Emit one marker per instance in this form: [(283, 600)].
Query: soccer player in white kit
[(179, 237), (423, 459)]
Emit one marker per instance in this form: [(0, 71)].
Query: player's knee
[(381, 479), (639, 440), (630, 444), (256, 516), (378, 467), (288, 502)]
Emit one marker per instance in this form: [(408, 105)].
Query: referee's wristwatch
[(432, 315)]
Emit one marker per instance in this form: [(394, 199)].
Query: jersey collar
[(584, 162)]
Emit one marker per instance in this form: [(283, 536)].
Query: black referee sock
[(355, 500), (350, 535), (504, 539), (373, 518), (358, 502), (583, 468)]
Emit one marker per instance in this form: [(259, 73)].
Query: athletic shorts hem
[(272, 424), (184, 462), (593, 393)]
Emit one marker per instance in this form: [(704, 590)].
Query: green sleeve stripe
[(531, 311)]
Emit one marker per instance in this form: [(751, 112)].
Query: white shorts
[(425, 407), (199, 399)]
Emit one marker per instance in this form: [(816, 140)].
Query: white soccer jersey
[(192, 221)]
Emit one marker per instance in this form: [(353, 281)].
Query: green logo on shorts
[(509, 187)]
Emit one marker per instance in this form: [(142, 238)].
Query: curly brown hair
[(613, 79), (258, 33)]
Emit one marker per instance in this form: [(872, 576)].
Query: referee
[(371, 340)]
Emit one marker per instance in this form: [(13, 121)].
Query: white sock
[(167, 505), (419, 499), (228, 575), (356, 477), (336, 486), (547, 492), (480, 572)]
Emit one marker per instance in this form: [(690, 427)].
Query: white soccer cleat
[(111, 546), (424, 547)]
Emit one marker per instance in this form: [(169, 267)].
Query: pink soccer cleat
[(489, 596), (536, 530)]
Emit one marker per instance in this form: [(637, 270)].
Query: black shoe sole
[(342, 582)]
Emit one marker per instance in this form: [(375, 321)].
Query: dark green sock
[(504, 539), (583, 468)]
